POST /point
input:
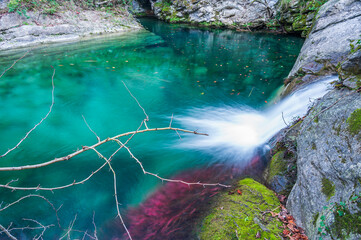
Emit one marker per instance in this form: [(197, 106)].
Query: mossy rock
[(354, 122), (242, 216), (277, 166)]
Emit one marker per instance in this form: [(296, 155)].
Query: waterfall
[(236, 132)]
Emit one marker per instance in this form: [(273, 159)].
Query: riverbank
[(68, 23)]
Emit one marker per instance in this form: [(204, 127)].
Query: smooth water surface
[(172, 69)]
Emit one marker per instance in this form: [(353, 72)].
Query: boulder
[(240, 214), (329, 166), (337, 23)]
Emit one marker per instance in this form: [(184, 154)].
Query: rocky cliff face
[(326, 198), (329, 165), (329, 42), (244, 13)]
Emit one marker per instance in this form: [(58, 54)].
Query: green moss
[(328, 188), (316, 119), (354, 122), (337, 129), (238, 216), (299, 23), (277, 166), (345, 222), (314, 146), (315, 218)]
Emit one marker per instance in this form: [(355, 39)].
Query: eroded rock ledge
[(67, 24)]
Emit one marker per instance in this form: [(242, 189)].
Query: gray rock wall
[(66, 25), (329, 161), (248, 13), (326, 199), (338, 22)]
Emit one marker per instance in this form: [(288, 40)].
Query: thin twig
[(146, 115), (7, 232), (41, 227), (71, 224), (171, 120), (36, 125), (115, 191), (95, 227), (84, 149), (34, 195), (166, 179), (98, 138), (26, 53), (284, 120)]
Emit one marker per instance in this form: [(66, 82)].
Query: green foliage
[(328, 188), (13, 5), (295, 19), (22, 6), (52, 6), (345, 221), (272, 24), (354, 122), (355, 45), (284, 4)]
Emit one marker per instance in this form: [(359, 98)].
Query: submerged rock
[(239, 214)]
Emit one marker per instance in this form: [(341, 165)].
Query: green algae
[(239, 216)]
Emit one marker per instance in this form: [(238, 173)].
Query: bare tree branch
[(17, 60), (146, 115), (98, 138), (70, 228), (165, 179), (36, 125), (33, 195), (95, 227), (84, 149), (7, 232)]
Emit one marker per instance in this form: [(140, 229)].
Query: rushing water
[(202, 77)]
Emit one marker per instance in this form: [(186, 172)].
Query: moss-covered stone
[(354, 122), (239, 216), (278, 165), (328, 188), (345, 221)]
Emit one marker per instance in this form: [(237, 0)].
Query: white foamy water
[(238, 131)]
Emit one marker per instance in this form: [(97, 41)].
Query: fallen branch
[(42, 120)]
